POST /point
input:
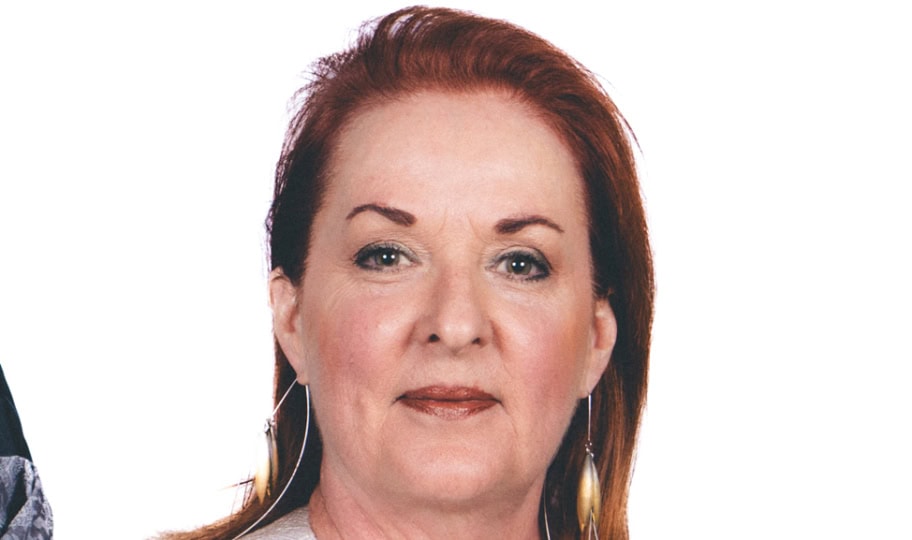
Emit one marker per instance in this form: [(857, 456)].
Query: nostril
[(434, 338), (476, 341)]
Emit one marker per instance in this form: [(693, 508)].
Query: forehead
[(485, 147)]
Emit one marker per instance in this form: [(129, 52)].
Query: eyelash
[(536, 262), (367, 257)]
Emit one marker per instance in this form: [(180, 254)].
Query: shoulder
[(24, 511), (293, 525)]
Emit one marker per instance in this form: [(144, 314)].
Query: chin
[(453, 481)]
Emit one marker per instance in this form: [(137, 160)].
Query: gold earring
[(589, 496), (267, 473), (269, 477)]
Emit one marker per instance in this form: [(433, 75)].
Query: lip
[(448, 402)]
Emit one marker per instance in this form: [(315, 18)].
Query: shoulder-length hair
[(420, 49)]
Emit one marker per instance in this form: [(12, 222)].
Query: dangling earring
[(267, 471), (589, 497), (267, 474), (547, 526)]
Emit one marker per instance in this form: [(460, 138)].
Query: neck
[(337, 513)]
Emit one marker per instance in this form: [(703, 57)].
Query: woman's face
[(446, 321)]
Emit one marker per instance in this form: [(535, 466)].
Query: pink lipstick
[(448, 402)]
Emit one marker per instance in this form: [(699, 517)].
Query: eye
[(523, 265), (383, 257)]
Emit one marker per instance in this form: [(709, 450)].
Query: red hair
[(418, 49)]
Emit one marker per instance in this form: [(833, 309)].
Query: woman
[(460, 261)]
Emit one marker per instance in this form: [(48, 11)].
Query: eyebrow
[(400, 217), (407, 219), (514, 225)]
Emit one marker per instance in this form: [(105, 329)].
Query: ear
[(604, 335), (286, 323)]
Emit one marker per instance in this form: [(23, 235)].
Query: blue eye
[(523, 265), (382, 257)]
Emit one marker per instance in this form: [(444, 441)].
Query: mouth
[(448, 402)]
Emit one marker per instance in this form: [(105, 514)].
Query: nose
[(455, 315)]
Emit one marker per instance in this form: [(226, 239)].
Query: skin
[(451, 251)]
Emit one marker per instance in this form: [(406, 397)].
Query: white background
[(136, 152)]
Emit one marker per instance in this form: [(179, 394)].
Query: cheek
[(547, 364), (354, 346), (554, 358)]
